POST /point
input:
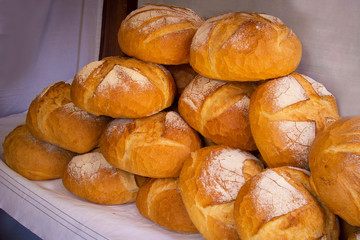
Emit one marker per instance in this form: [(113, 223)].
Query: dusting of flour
[(87, 165), (274, 196), (73, 110), (223, 176), (173, 120), (286, 91), (298, 137), (85, 72), (318, 87), (197, 90), (124, 78)]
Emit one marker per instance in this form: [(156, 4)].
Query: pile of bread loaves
[(206, 126)]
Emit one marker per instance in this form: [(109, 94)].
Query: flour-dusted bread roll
[(334, 162), (209, 182), (280, 204), (154, 147), (159, 33), (241, 46), (123, 88), (160, 201), (219, 111), (285, 115), (92, 178), (32, 158), (183, 74), (53, 118)]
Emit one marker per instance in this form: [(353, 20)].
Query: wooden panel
[(114, 11)]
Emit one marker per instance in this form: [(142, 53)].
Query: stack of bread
[(205, 125)]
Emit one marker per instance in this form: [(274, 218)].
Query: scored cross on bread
[(285, 115)]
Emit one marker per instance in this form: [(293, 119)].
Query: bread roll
[(241, 46), (92, 178), (285, 114), (159, 33), (123, 88), (53, 118), (160, 201), (219, 111), (183, 74), (32, 158), (209, 183), (154, 147), (280, 204), (334, 162)]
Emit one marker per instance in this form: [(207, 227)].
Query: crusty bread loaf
[(155, 146), (92, 178), (52, 117), (183, 74), (219, 110), (209, 183), (285, 114), (279, 203), (123, 88), (241, 46), (334, 162), (160, 201), (159, 33), (32, 158)]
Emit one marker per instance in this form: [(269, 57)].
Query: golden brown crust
[(154, 146), (183, 74), (32, 158), (285, 114), (160, 201), (123, 88), (52, 117), (159, 33), (209, 183), (334, 162), (92, 178), (219, 111), (280, 204), (241, 46)]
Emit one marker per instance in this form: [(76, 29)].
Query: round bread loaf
[(160, 201), (241, 46), (123, 88), (183, 74), (280, 204), (53, 118), (285, 114), (219, 111), (334, 162), (92, 178), (155, 146), (209, 183), (159, 33), (32, 158)]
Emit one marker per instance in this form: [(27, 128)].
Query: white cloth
[(51, 212), (328, 29), (42, 42)]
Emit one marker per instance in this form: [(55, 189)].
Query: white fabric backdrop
[(328, 29), (42, 42)]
